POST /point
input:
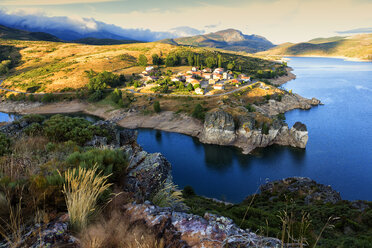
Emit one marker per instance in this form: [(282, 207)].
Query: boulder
[(219, 128)]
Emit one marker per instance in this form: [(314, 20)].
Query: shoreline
[(165, 121)]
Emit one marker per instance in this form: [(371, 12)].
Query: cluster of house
[(216, 78)]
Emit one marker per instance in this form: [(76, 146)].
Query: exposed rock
[(195, 231), (288, 102), (146, 173), (219, 128), (302, 186)]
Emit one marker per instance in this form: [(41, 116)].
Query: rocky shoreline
[(218, 128)]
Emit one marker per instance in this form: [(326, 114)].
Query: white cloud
[(49, 2)]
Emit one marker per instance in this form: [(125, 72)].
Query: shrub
[(4, 144), (157, 108), (188, 191), (31, 118), (198, 112), (95, 96), (103, 80), (107, 161), (281, 117), (265, 129), (34, 129), (142, 60), (47, 98), (116, 95), (81, 189), (64, 128), (250, 108)]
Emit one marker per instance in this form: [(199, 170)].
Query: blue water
[(338, 153)]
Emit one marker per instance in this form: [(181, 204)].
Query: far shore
[(332, 57)]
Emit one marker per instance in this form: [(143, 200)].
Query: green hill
[(229, 39), (7, 33), (357, 46)]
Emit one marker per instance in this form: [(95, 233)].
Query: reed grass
[(81, 189)]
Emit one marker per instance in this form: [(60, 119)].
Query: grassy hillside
[(229, 39), (54, 66), (357, 46), (96, 41), (17, 34)]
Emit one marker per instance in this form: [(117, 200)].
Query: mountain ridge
[(228, 39)]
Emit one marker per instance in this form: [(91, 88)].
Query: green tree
[(190, 87), (198, 112), (210, 62), (190, 59), (116, 95), (142, 60), (157, 108), (155, 59), (219, 63), (4, 144), (103, 80)]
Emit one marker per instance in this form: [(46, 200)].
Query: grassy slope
[(358, 46), (55, 66)]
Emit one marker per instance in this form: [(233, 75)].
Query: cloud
[(186, 31), (75, 27), (361, 87), (356, 31), (50, 2)]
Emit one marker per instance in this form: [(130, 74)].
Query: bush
[(188, 191), (47, 98), (96, 96), (81, 189), (116, 95), (31, 118), (103, 80), (250, 108), (34, 129), (107, 161), (142, 60), (64, 128), (265, 129), (198, 112), (157, 108), (4, 144), (167, 196)]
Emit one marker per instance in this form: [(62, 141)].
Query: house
[(227, 75), (219, 87), (218, 70), (189, 78), (175, 79), (199, 91), (194, 82), (207, 76), (212, 81), (207, 70), (217, 76), (149, 68), (194, 69), (197, 74), (245, 78)]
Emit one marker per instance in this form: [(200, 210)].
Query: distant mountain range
[(17, 34), (229, 39), (356, 46)]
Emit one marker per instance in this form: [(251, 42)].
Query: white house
[(199, 91), (149, 68), (194, 69), (219, 87)]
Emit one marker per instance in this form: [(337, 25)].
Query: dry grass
[(118, 231), (82, 189), (168, 195)]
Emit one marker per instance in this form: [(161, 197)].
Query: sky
[(277, 20)]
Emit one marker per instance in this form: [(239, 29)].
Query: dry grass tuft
[(119, 231), (168, 196), (81, 189)]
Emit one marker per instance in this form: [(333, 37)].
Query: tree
[(231, 65), (116, 95), (211, 62), (103, 80), (157, 108), (190, 87), (219, 61), (198, 112), (142, 60), (155, 59), (190, 59)]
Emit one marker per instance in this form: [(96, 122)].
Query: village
[(195, 81)]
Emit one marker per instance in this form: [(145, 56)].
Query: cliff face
[(219, 128)]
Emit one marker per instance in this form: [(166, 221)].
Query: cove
[(339, 151)]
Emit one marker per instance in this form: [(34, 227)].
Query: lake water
[(338, 153)]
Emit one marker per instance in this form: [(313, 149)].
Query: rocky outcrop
[(219, 128), (287, 103), (209, 231), (302, 187)]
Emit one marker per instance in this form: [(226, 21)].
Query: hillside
[(55, 66), (97, 41), (17, 34), (357, 46), (229, 39)]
